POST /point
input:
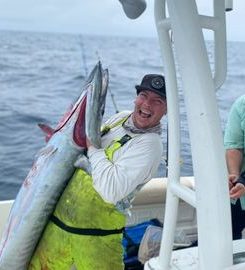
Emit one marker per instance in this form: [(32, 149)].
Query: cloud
[(104, 17)]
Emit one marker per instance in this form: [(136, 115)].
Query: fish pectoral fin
[(47, 130)]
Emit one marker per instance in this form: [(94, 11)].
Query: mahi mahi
[(51, 170)]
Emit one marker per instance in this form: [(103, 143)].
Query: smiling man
[(150, 104), (86, 228)]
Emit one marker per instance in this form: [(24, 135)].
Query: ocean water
[(42, 73)]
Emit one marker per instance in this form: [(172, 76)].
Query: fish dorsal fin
[(47, 130)]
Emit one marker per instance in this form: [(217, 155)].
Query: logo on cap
[(157, 83)]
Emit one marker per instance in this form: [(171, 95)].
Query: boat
[(199, 205), (148, 204)]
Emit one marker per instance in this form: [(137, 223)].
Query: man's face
[(149, 109)]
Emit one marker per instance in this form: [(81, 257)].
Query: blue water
[(41, 74)]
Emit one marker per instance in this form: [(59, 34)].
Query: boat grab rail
[(211, 23), (199, 85)]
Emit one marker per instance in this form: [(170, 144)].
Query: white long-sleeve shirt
[(133, 164)]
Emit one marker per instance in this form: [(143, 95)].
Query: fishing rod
[(167, 153), (113, 100)]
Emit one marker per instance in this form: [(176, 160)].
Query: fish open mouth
[(76, 114), (78, 111), (79, 134)]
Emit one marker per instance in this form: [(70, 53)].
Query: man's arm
[(137, 162), (234, 159), (234, 144)]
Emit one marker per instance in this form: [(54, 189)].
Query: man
[(85, 231), (235, 157)]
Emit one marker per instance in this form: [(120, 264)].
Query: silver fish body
[(51, 170), (93, 130)]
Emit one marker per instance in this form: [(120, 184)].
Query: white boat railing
[(211, 198)]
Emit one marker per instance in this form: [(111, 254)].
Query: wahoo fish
[(51, 171)]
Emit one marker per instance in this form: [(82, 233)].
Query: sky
[(103, 17)]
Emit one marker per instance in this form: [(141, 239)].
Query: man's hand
[(237, 191), (232, 180)]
